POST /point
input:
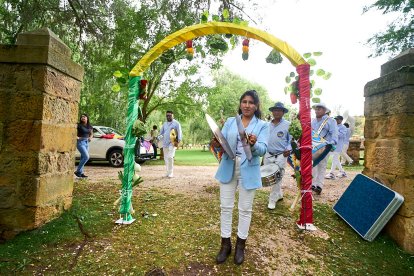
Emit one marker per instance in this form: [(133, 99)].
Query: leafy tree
[(399, 35)]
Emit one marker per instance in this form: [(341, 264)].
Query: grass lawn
[(189, 157), (179, 234)]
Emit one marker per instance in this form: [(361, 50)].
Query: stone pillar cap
[(44, 37), (406, 58)]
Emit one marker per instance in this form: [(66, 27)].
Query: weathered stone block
[(390, 155), (394, 80), (46, 190), (19, 163), (401, 229), (59, 111), (59, 138), (23, 135), (397, 101), (406, 58), (55, 162), (8, 191), (393, 126)]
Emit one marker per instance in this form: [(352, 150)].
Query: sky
[(336, 28)]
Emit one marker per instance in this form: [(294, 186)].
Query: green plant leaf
[(292, 74), (226, 13), (288, 79), (311, 62), (121, 80), (317, 54), (316, 100), (311, 73), (286, 90), (244, 23), (233, 42), (237, 21), (327, 76), (320, 72), (215, 17), (318, 91), (117, 74), (116, 88), (307, 55), (204, 17)]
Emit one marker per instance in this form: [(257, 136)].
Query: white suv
[(108, 144)]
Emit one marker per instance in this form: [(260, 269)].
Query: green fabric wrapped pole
[(129, 151)]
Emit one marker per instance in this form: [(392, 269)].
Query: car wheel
[(116, 158)]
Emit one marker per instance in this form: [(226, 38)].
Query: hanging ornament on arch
[(245, 49), (190, 50)]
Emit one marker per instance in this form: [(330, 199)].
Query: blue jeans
[(83, 147)]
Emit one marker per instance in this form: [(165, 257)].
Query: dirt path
[(192, 180)]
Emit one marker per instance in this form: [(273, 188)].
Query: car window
[(96, 133), (109, 130)]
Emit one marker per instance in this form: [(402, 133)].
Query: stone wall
[(389, 144), (39, 96)]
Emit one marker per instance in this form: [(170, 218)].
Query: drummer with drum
[(278, 150)]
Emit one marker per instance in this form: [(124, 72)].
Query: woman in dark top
[(84, 137)]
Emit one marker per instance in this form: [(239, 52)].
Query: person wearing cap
[(326, 126), (342, 132), (278, 149)]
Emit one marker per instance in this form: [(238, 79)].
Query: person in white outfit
[(344, 153), (278, 149), (326, 126), (336, 164), (168, 146)]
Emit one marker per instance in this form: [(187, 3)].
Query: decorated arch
[(136, 85)]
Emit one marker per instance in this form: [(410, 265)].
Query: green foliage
[(399, 35), (292, 78), (274, 57)]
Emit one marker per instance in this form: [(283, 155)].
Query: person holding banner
[(242, 172), (170, 128), (326, 128), (278, 149)]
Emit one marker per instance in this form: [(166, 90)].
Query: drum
[(270, 173)]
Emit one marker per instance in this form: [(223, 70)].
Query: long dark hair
[(256, 100), (88, 125)]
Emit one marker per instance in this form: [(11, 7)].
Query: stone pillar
[(389, 134), (39, 95)]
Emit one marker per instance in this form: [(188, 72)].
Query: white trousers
[(318, 173), (344, 153), (280, 161), (227, 197), (336, 163), (169, 153)]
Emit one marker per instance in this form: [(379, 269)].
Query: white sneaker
[(170, 176), (341, 175), (330, 176), (271, 205)]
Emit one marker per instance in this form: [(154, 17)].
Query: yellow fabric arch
[(209, 28)]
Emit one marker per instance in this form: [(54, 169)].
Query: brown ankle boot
[(239, 251), (225, 250)]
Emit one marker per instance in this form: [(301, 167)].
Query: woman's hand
[(215, 142), (252, 139), (286, 153)]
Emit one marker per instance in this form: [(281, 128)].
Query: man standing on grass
[(278, 149), (326, 127), (335, 155), (170, 128)]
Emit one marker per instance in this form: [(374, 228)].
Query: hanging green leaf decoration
[(327, 76), (215, 18), (292, 74), (116, 88), (311, 62), (320, 72), (218, 43), (316, 100), (226, 13), (318, 91), (311, 73), (237, 21), (233, 42), (307, 55), (167, 56), (204, 17), (287, 79), (117, 74), (274, 57), (244, 23), (317, 54), (286, 90)]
